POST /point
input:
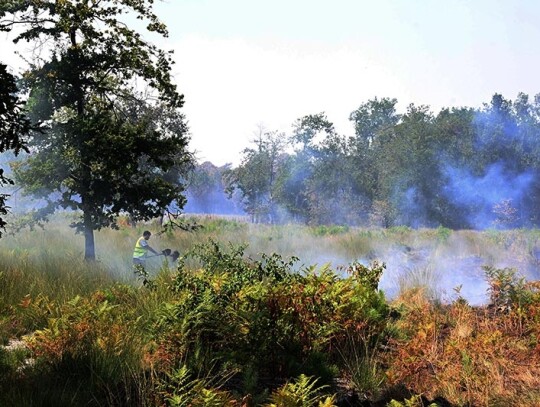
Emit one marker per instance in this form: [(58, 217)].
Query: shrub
[(301, 393), (506, 289), (180, 389), (367, 276), (325, 230), (91, 341), (414, 401), (212, 224), (238, 313), (443, 234), (468, 355)]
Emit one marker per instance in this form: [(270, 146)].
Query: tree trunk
[(89, 246)]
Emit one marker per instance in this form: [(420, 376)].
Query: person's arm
[(145, 244), (152, 250)]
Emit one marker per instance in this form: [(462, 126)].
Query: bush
[(301, 393), (443, 234), (325, 230), (89, 340), (237, 314), (506, 289)]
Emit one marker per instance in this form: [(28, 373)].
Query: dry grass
[(470, 356)]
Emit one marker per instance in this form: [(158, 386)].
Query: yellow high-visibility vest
[(140, 250)]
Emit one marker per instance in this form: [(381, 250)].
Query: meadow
[(270, 315)]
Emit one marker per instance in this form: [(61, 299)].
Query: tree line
[(460, 168)]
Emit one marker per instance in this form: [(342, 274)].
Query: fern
[(301, 393)]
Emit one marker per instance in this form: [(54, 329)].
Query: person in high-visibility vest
[(141, 248)]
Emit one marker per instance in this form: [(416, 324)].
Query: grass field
[(451, 319)]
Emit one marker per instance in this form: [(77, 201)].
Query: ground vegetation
[(231, 324)]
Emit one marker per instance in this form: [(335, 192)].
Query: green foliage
[(257, 176), (362, 369), (229, 329), (443, 234), (12, 360), (400, 169), (323, 230), (399, 230), (216, 259), (14, 127), (367, 276), (112, 43), (182, 390), (374, 117), (238, 313), (90, 332), (87, 343), (334, 191), (414, 401), (29, 273), (302, 392), (144, 277), (506, 288), (181, 387), (218, 224)]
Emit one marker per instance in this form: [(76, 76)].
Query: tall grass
[(425, 257)]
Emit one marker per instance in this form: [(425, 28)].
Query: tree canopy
[(14, 127)]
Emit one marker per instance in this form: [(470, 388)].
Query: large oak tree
[(115, 138)]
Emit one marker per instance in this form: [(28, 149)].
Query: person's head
[(146, 234)]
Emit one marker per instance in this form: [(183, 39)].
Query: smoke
[(445, 268), (214, 201), (206, 192), (478, 196), (412, 209), (444, 275)]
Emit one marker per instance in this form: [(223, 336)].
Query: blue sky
[(243, 63)]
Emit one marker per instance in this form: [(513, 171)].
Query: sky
[(245, 63)]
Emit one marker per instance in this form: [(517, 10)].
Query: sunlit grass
[(409, 254)]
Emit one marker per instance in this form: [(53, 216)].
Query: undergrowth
[(233, 326)]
